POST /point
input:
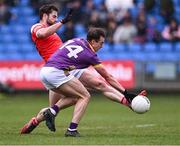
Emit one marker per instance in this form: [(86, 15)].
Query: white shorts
[(52, 77)]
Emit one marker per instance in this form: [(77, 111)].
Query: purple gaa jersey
[(74, 54)]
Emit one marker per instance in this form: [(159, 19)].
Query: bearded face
[(52, 18)]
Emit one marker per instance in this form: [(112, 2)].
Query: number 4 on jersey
[(74, 50)]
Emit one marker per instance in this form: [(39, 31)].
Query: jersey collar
[(91, 47)]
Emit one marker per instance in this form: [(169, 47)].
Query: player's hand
[(68, 16)]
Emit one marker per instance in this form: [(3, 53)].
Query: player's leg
[(53, 98), (88, 79), (64, 101), (30, 126), (72, 88), (92, 82)]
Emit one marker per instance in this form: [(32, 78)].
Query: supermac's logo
[(25, 75), (26, 72)]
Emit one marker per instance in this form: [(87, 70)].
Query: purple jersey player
[(74, 54), (58, 75)]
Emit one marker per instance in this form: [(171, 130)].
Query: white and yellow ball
[(140, 104)]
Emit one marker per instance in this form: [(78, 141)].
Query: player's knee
[(86, 96), (100, 85)]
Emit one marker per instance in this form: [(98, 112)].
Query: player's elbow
[(41, 35)]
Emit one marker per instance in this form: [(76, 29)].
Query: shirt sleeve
[(35, 28), (94, 60)]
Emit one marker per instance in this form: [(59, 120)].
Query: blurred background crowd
[(126, 21)]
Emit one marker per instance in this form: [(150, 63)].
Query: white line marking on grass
[(145, 125), (97, 127), (118, 127)]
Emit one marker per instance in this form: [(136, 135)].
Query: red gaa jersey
[(45, 46)]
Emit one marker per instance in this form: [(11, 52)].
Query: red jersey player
[(53, 42), (47, 42)]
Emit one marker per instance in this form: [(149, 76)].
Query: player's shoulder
[(79, 41), (37, 25)]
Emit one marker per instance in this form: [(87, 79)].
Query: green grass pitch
[(105, 122)]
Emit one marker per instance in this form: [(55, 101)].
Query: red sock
[(124, 101)]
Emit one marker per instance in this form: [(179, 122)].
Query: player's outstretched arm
[(109, 78), (45, 32)]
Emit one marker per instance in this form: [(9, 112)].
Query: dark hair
[(47, 9), (95, 34)]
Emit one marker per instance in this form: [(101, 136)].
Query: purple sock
[(56, 108), (73, 126)]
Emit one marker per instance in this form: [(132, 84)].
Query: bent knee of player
[(100, 85), (86, 96)]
